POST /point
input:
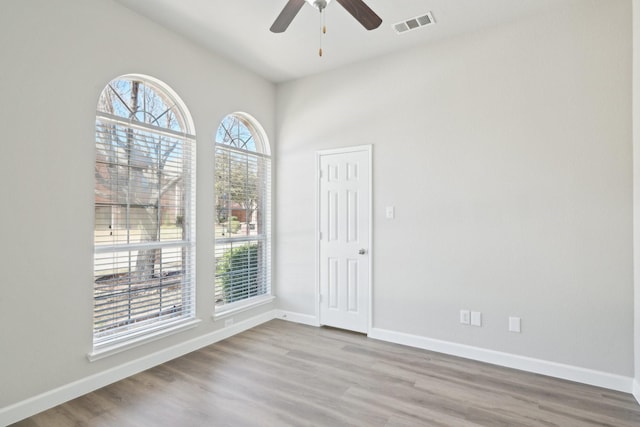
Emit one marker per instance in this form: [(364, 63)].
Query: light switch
[(390, 212)]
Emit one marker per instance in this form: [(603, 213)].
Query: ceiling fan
[(357, 8)]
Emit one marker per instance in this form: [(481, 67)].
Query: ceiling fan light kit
[(356, 8)]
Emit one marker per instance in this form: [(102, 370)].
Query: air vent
[(414, 23)]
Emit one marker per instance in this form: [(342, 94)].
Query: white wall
[(56, 57), (507, 154)]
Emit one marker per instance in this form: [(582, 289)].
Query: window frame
[(260, 151), (152, 324)]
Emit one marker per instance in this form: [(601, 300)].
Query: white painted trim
[(241, 306), (364, 147), (144, 339), (371, 247), (369, 149), (305, 319), (49, 399), (538, 366), (636, 189), (316, 294)]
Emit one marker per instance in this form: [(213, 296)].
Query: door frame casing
[(368, 148)]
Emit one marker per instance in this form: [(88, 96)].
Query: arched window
[(243, 213), (144, 268)]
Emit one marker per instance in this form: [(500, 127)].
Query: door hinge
[(320, 174), (319, 235)]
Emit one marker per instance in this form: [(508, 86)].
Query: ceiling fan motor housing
[(356, 8), (319, 4)]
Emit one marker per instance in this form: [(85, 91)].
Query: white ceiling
[(239, 29)]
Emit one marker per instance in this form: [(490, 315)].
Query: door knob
[(362, 251)]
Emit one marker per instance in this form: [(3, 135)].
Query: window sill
[(110, 350), (242, 306)]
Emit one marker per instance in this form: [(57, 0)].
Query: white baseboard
[(44, 401), (523, 363), (538, 366), (49, 399), (305, 319)]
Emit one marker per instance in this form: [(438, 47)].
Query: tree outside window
[(143, 267)]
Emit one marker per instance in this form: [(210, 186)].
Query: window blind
[(144, 265), (243, 226)]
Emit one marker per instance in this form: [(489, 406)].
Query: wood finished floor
[(285, 374)]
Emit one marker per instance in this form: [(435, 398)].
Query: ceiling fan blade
[(363, 13), (289, 12)]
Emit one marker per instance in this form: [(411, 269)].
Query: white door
[(344, 241)]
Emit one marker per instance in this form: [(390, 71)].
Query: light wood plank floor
[(285, 374)]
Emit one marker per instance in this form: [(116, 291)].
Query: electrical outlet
[(514, 324), (228, 322), (465, 317), (476, 318)]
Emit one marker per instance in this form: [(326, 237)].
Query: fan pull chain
[(323, 30)]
